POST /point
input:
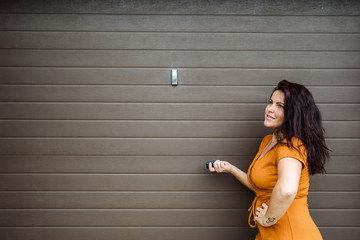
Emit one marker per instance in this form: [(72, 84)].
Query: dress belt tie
[(252, 208)]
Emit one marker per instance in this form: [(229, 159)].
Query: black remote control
[(207, 163)]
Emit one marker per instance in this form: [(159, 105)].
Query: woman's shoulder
[(294, 142), (266, 139), (295, 148)]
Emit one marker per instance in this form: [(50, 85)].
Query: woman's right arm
[(226, 167)]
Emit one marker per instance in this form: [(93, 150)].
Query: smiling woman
[(274, 112), (279, 173)]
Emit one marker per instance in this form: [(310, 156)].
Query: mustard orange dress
[(296, 223)]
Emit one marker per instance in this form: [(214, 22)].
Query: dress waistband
[(252, 210)]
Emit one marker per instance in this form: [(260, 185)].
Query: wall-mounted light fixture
[(174, 77)]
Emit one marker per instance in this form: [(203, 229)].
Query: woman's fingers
[(211, 167), (219, 166), (265, 207), (260, 211)]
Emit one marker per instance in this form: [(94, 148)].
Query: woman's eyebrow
[(276, 102)]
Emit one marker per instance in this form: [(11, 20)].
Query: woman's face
[(274, 111)]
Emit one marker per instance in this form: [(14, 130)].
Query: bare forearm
[(286, 188), (280, 201), (283, 194), (226, 167), (241, 176)]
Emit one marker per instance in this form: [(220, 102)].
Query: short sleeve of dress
[(298, 151)]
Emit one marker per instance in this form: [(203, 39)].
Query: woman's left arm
[(283, 194)]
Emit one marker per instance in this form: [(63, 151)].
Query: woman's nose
[(271, 108)]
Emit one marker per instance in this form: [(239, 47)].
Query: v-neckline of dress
[(262, 150), (257, 158)]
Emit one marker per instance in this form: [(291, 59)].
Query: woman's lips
[(269, 117)]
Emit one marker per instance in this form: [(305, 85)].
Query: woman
[(279, 173)]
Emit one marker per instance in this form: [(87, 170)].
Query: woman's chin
[(267, 124)]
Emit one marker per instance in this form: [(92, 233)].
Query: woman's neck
[(274, 137)]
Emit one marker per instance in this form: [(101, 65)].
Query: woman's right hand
[(220, 166)]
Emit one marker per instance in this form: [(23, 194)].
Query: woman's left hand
[(261, 218)]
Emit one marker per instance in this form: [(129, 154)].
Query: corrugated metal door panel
[(165, 94), (154, 182), (179, 41), (152, 218), (179, 23), (187, 76), (160, 233), (156, 129), (150, 146), (159, 200), (128, 233), (158, 111), (194, 7), (142, 164), (180, 59)]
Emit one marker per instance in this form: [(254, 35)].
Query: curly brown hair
[(303, 121)]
